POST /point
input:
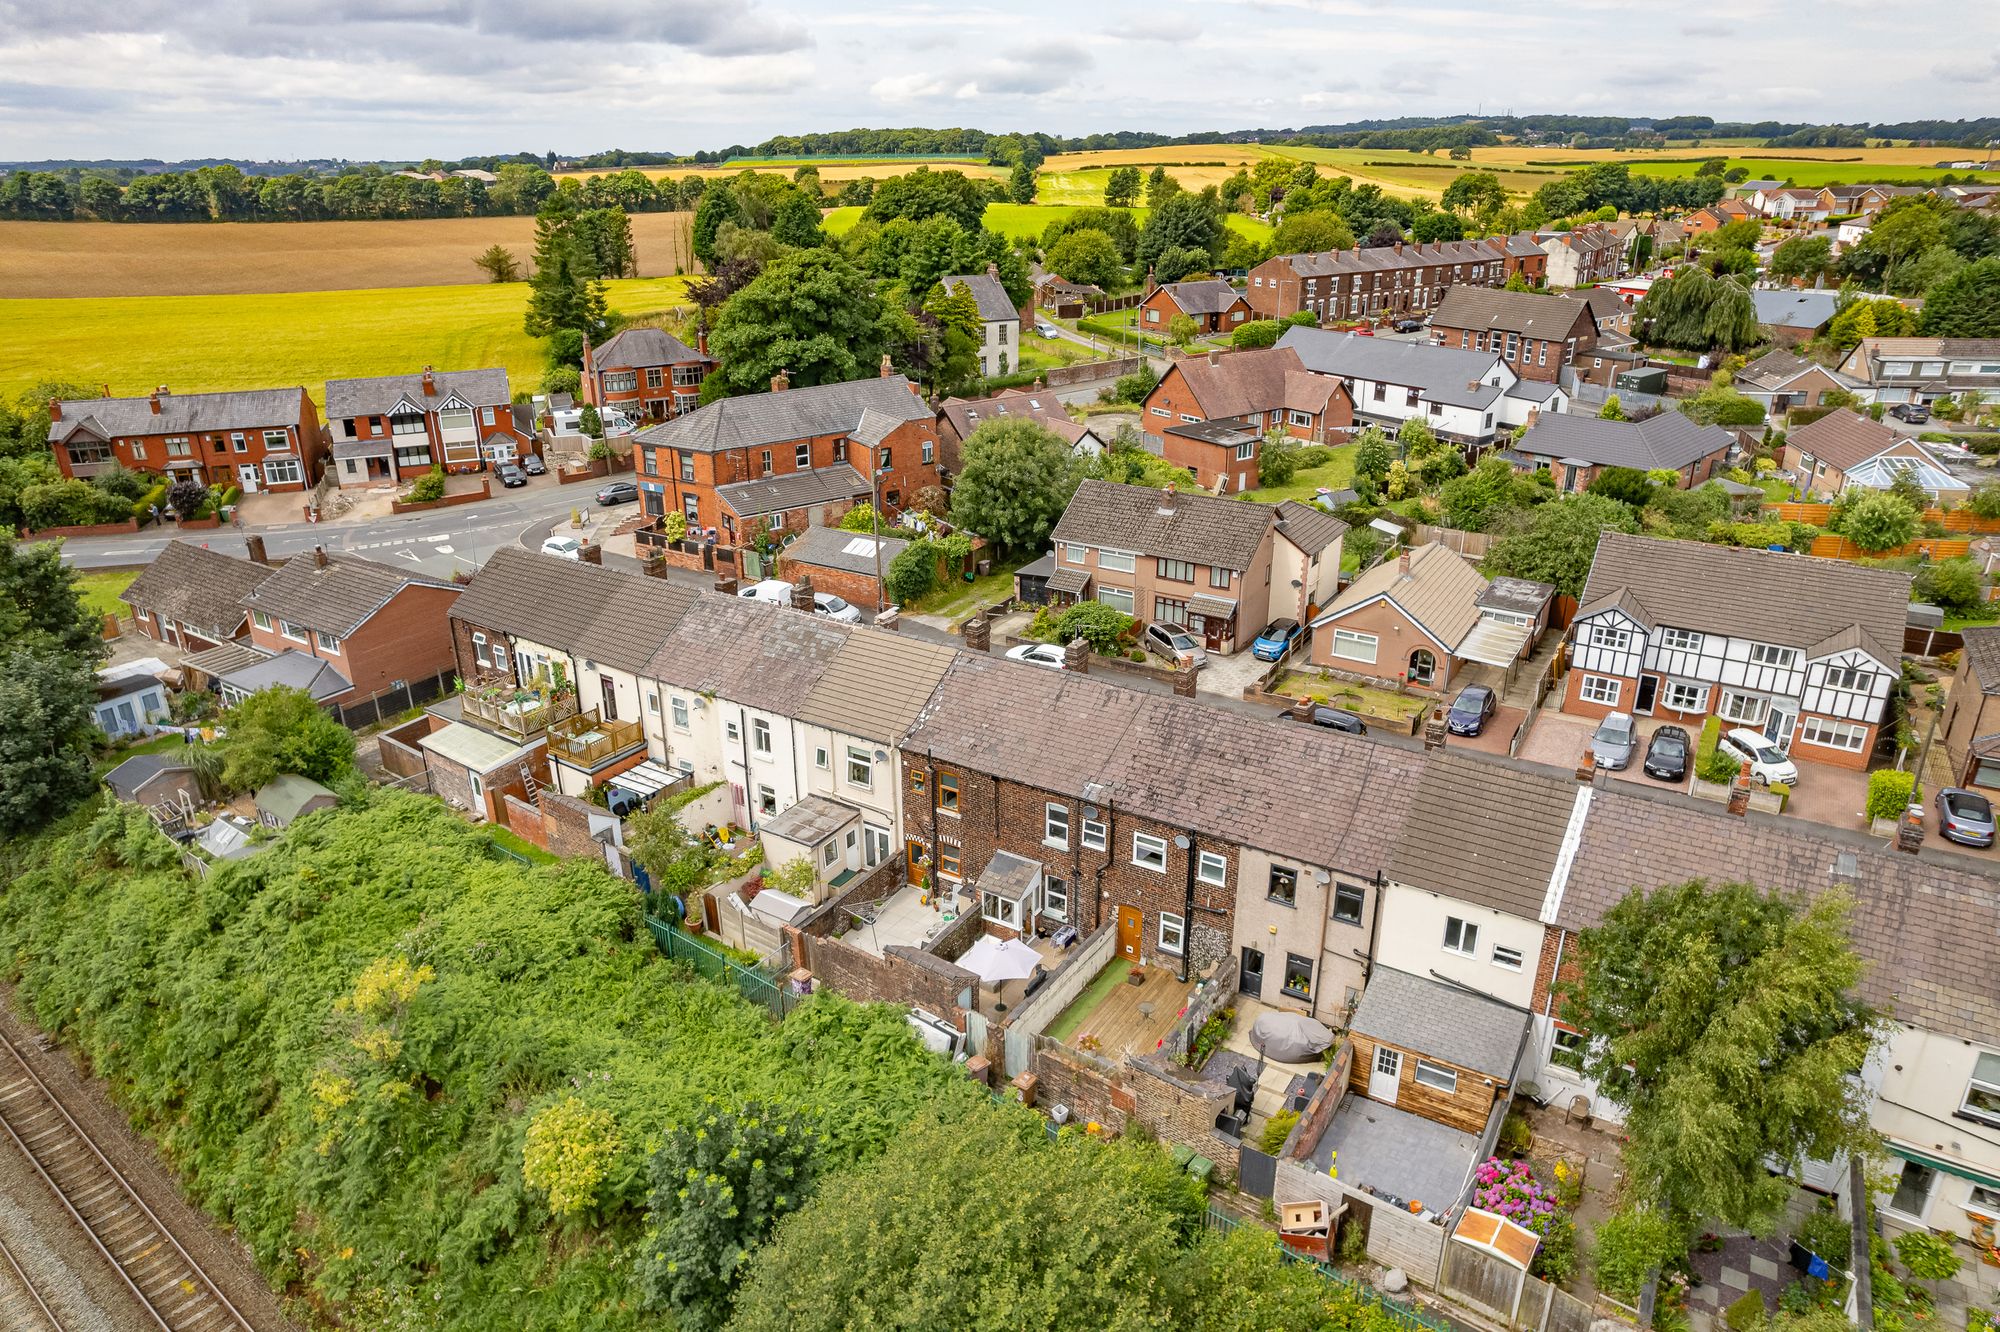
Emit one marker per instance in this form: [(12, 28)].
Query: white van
[(779, 593), (774, 590)]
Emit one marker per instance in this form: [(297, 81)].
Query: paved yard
[(1230, 676), (1561, 740), (1496, 737)]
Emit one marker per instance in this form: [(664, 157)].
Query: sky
[(408, 79)]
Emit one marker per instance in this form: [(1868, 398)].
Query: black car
[(1334, 719), (533, 465), (510, 475), (1409, 325), (618, 492), (1470, 710), (1914, 413), (1667, 755)]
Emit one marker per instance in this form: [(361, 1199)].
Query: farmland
[(198, 343), (831, 169), (196, 259), (1026, 221)]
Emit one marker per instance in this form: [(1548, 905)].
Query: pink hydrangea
[(1510, 1189)]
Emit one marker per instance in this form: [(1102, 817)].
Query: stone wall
[(1146, 1091), (1057, 376)]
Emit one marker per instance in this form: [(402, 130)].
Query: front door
[(1649, 689), (1385, 1074), (1250, 975), (246, 474), (609, 691), (1778, 728), (1131, 929)]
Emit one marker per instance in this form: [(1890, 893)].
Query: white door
[(875, 842), (1387, 1072), (246, 475), (500, 450), (1778, 730)]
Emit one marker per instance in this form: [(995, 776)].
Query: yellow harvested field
[(1231, 155), (829, 171), (197, 259), (1521, 155), (203, 343)]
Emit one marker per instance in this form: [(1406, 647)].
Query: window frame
[(1174, 571), (1696, 696), (1443, 1080), (297, 633), (1566, 1046), (1681, 640), (1096, 835), (1178, 947), (1586, 692), (1467, 932), (677, 708), (760, 735), (1989, 1083), (1055, 890), (864, 761), (1055, 824), (1354, 637), (1519, 961), (262, 620), (1116, 561), (1282, 886), (947, 799), (1207, 860), (326, 642), (1343, 892), (1151, 841), (1296, 962), (1828, 733), (1612, 638)]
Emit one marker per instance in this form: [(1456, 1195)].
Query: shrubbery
[(1889, 793), (1104, 627), (428, 488)]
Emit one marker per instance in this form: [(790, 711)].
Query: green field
[(204, 343), (1028, 221), (1809, 174)]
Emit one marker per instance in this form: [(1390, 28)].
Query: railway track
[(21, 1305), (167, 1282)]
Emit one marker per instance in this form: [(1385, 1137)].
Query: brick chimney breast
[(1168, 500), (1214, 356), (802, 593), (153, 401), (430, 383), (55, 409), (319, 557), (888, 371)]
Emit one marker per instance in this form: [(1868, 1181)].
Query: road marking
[(442, 550)]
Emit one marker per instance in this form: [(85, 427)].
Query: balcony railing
[(525, 713), (587, 740)]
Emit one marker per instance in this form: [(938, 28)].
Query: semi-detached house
[(392, 427), (1844, 449), (1926, 369), (256, 439), (1537, 336), (1466, 397), (192, 597), (1210, 413)]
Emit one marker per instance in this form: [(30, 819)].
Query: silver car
[(1177, 645), (1614, 742)]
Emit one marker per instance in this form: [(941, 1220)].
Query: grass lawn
[(520, 846), (205, 343), (957, 599), (1336, 474), (101, 588), (1080, 1008), (1039, 353), (1362, 698)]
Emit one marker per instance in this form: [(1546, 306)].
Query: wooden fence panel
[(1535, 1297), (1567, 1313), (1480, 1279), (1953, 520), (1473, 545), (1937, 548)]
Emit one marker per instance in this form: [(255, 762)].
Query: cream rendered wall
[(1924, 1081), (1305, 927), (1412, 939)]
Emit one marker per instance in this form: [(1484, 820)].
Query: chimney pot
[(888, 370), (153, 402), (55, 409), (1910, 831), (319, 557), (1214, 356), (253, 546), (1403, 561), (1168, 500), (993, 271), (1739, 791), (780, 382)]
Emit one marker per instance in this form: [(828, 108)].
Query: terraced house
[(1537, 336), (1385, 280), (392, 427), (256, 439)]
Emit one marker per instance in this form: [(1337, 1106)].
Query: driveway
[(1561, 741), (1497, 736), (1228, 677)]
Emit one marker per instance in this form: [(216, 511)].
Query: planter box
[(485, 491), (200, 524), (1760, 800)]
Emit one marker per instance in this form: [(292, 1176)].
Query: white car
[(834, 608), (568, 548), (1768, 763), (1037, 654)]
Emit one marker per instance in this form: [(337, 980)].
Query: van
[(774, 590)]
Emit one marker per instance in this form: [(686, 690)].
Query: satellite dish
[(1090, 811), (1321, 876), (1180, 841)]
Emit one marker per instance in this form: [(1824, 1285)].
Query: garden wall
[(485, 491), (1069, 980), (125, 528), (1085, 372), (1173, 1108)]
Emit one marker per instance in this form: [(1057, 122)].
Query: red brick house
[(1384, 280), (647, 373), (258, 439), (1209, 413), (1704, 221), (790, 457), (392, 427), (1583, 255), (1536, 335), (1214, 305), (192, 597)]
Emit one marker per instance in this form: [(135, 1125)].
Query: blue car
[(1470, 710), (1276, 640)]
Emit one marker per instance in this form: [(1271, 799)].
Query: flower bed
[(1510, 1189)]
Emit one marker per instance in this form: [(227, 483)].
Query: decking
[(1129, 1019)]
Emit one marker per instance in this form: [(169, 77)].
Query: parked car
[(509, 474), (1334, 719), (532, 464), (1667, 755), (1037, 654), (618, 492), (834, 608), (1914, 413), (1767, 762), (1175, 644), (1276, 640), (1613, 742), (568, 548), (1409, 325), (1471, 710), (1046, 329), (1965, 817)]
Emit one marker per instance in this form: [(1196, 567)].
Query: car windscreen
[(1670, 745), (1972, 806), (832, 603)]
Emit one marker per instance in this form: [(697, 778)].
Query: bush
[(1135, 386), (1952, 584), (428, 488), (142, 508), (1302, 319), (1878, 521), (1276, 1130), (1515, 1135), (1257, 333), (911, 574), (1103, 627), (1630, 1244), (569, 1148), (1889, 793), (1827, 1235), (1745, 1313)]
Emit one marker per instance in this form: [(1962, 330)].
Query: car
[(1037, 654), (1614, 741), (509, 474), (1913, 413), (1667, 754), (1174, 643), (1046, 330), (772, 591), (1276, 640), (568, 548), (1409, 325), (1965, 817), (1322, 714), (618, 492), (1470, 710), (1767, 762), (532, 464), (834, 608)]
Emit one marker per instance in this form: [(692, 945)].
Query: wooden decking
[(1133, 1019)]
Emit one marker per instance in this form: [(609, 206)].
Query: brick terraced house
[(1384, 280), (1214, 305), (258, 439), (1209, 413), (1538, 336), (392, 427), (646, 373), (1587, 254)]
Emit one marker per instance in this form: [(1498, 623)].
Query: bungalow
[(844, 564), (1791, 317), (1577, 448), (1000, 321), (959, 417), (1213, 305), (1415, 620), (1843, 449), (257, 439), (1781, 381), (1926, 369), (1464, 396), (391, 427), (1241, 394), (191, 597), (646, 373), (1972, 720)]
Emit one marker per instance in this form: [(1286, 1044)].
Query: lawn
[(519, 845), (1039, 353), (957, 599), (102, 588), (1080, 1008), (201, 343), (1336, 474), (1361, 698)]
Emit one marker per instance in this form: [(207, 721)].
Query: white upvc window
[(1055, 898), (281, 471), (1510, 958), (1115, 561), (1833, 734), (1437, 1077), (327, 642), (1745, 708), (1850, 679), (760, 735), (1982, 1093), (1055, 825), (1300, 418), (1350, 646), (263, 621), (1118, 598), (1093, 835), (1005, 911), (1461, 936), (860, 768), (1614, 637), (1680, 640), (295, 632), (1766, 654), (1600, 689), (1684, 697), (1246, 450), (1075, 554), (1212, 867), (679, 708), (1173, 933), (1149, 852)]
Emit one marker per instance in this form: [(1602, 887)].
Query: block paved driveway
[(1561, 741), (1228, 677)]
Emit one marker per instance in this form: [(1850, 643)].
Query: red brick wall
[(219, 465), (855, 587), (408, 639), (908, 472)]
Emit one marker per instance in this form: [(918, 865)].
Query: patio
[(901, 918), (1402, 1157), (1126, 1019), (1008, 994), (1273, 1079)]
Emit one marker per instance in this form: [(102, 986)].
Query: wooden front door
[(1131, 928)]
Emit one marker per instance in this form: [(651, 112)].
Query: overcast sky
[(278, 79)]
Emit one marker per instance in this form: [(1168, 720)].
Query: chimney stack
[(1739, 791), (993, 271), (153, 401), (700, 336), (430, 383), (1168, 500), (977, 633), (1434, 730), (1403, 561), (319, 557), (1076, 655), (888, 371), (780, 382), (253, 546), (1910, 831), (55, 409), (1215, 356), (1399, 247), (802, 594)]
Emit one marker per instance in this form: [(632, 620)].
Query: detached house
[(646, 373), (1214, 305), (1782, 381), (392, 427), (1464, 396), (1806, 650), (959, 417), (1972, 722), (1576, 449), (258, 439), (1537, 336), (1000, 339), (1843, 449), (1209, 413), (1417, 620), (192, 597), (1926, 369)]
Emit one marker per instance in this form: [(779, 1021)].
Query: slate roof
[(1200, 528), (1311, 529), (749, 652), (1524, 312), (179, 414), (1668, 440), (290, 669), (642, 347), (792, 490), (1389, 258), (1982, 649), (1777, 368), (1843, 438), (1793, 309), (1443, 1021), (1450, 375), (197, 586), (336, 598), (1454, 845), (1209, 296), (377, 395), (126, 779), (605, 615), (1522, 595), (1441, 592), (758, 419), (1041, 404), (1238, 383), (994, 306), (851, 552), (1769, 596), (876, 685)]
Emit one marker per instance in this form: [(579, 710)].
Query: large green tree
[(1121, 187), (1877, 521), (564, 293), (1087, 256), (810, 313), (1966, 304), (1697, 311), (1312, 233), (1016, 480), (1183, 222), (50, 647), (1722, 1019), (281, 730), (1803, 257), (1555, 542), (926, 193)]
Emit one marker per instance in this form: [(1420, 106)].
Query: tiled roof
[(757, 419), (1982, 649), (606, 615), (1439, 591), (197, 586), (1241, 382), (1843, 438), (1446, 1022), (1454, 845), (290, 669), (876, 685), (1769, 596), (1524, 312), (1776, 368), (748, 652), (1449, 375), (1206, 297), (1311, 529), (378, 395), (994, 305), (179, 414), (126, 779), (642, 347), (337, 597), (852, 552), (1041, 404), (1389, 258), (1793, 309), (1669, 440), (1199, 528), (792, 490)]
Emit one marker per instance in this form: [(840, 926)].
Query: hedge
[(142, 508)]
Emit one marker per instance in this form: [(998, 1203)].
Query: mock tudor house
[(1463, 396), (1416, 620), (1000, 322), (1576, 449), (1584, 255), (790, 458), (1382, 280), (192, 597), (1209, 413), (1926, 369), (392, 427), (1781, 381), (646, 373), (258, 439), (1806, 650), (1972, 721), (1844, 449), (1214, 305), (1537, 336)]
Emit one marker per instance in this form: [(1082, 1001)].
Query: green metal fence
[(750, 982), (1404, 1315)]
